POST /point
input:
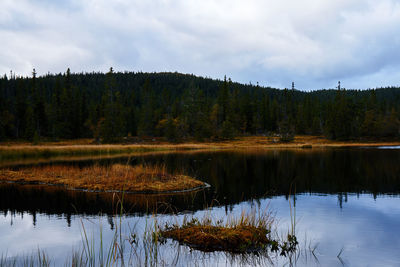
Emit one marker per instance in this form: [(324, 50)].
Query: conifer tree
[(147, 121), (112, 125), (371, 123), (66, 105), (20, 113)]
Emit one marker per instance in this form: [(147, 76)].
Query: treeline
[(111, 106)]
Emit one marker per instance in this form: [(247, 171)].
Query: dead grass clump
[(250, 233), (212, 238), (118, 177)]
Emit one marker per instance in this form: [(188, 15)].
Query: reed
[(250, 233), (38, 259)]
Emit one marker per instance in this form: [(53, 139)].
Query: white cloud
[(312, 42)]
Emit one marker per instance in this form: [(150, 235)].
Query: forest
[(115, 105)]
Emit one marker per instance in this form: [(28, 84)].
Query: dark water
[(346, 202)]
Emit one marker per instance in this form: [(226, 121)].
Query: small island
[(249, 233), (121, 178)]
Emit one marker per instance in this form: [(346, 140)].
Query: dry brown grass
[(87, 144), (212, 238), (140, 178), (22, 150), (251, 232), (83, 146)]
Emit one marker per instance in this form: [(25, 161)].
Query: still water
[(345, 203)]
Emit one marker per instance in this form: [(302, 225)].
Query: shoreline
[(190, 190), (84, 147)]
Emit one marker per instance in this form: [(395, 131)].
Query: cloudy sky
[(314, 43)]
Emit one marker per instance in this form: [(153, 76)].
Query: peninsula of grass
[(118, 177), (250, 233)]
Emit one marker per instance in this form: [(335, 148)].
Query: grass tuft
[(251, 232)]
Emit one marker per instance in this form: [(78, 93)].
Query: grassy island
[(118, 177), (249, 233)]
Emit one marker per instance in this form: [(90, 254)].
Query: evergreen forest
[(115, 105)]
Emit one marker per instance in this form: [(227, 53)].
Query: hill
[(109, 106)]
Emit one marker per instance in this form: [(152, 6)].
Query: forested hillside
[(179, 106)]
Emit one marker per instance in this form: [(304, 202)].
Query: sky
[(314, 43)]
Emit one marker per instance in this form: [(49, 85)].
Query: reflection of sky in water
[(389, 147), (367, 230), (20, 236)]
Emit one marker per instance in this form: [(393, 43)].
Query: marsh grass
[(37, 259), (94, 251), (126, 247), (251, 232), (83, 147), (150, 247), (117, 177), (247, 239), (17, 151)]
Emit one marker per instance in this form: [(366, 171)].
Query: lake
[(345, 204)]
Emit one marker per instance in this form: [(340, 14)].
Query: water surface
[(346, 203)]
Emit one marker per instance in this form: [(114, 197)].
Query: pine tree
[(131, 111), (214, 129), (223, 101), (65, 106), (38, 108), (391, 124), (147, 121), (21, 106), (112, 126), (202, 127), (30, 129), (371, 123)]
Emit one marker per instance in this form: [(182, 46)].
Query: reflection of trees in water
[(237, 176), (234, 177), (54, 200)]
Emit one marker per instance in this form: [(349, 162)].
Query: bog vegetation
[(251, 232), (139, 179), (111, 106), (246, 240)]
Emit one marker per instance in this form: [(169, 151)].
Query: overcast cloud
[(312, 42)]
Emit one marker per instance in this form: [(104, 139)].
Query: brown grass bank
[(136, 179), (85, 147)]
